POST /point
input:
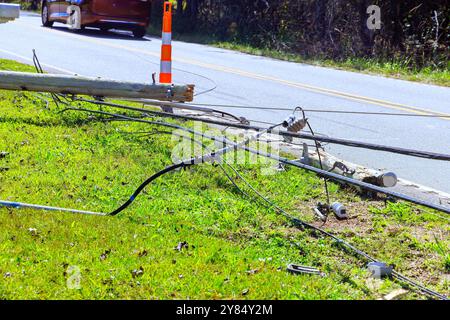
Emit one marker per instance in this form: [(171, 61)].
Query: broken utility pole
[(66, 84), (348, 169)]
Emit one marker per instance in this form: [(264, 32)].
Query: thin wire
[(325, 183), (351, 181), (214, 87), (434, 115), (283, 212), (292, 218), (162, 104), (183, 164), (39, 69), (319, 172), (147, 133), (296, 220), (349, 143), (18, 205), (273, 205)]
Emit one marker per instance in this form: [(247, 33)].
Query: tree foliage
[(414, 31)]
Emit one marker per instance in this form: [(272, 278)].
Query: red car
[(133, 15)]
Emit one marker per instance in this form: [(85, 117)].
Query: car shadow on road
[(102, 34)]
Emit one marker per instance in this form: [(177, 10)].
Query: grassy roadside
[(236, 249), (395, 69), (392, 69)]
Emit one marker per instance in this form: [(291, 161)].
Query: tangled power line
[(430, 114), (320, 138), (271, 205), (215, 157)]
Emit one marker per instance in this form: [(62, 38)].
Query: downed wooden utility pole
[(67, 84), (332, 164)]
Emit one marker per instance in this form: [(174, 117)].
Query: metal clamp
[(341, 166), (322, 210), (170, 93)]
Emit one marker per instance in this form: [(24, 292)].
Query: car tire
[(44, 16), (139, 32)]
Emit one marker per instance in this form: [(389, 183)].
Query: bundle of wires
[(231, 146)]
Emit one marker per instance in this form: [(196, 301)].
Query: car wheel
[(139, 32), (45, 16)]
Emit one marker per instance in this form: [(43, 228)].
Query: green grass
[(237, 249)]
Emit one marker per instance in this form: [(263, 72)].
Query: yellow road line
[(299, 85)]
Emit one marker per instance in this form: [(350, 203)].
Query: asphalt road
[(241, 79)]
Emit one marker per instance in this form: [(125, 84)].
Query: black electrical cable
[(443, 209), (363, 185), (298, 222), (294, 220), (345, 142), (145, 183), (322, 138), (37, 64), (182, 164), (147, 133)]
